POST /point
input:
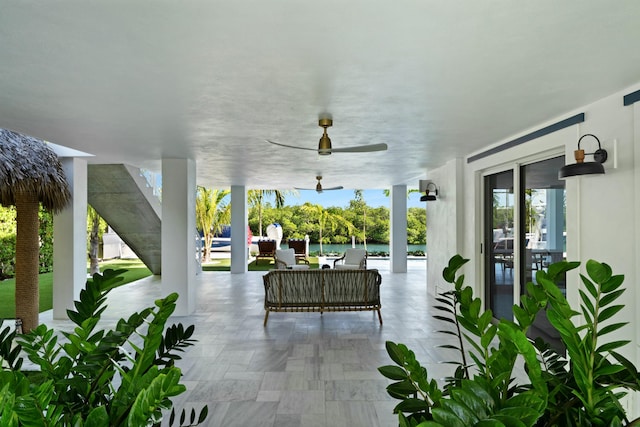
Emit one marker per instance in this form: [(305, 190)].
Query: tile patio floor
[(302, 369)]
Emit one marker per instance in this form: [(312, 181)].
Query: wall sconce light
[(580, 167), (430, 193)]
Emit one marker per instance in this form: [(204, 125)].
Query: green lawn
[(135, 270)]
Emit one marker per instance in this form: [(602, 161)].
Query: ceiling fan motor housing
[(324, 147)]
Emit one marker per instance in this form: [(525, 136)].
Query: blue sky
[(341, 198)]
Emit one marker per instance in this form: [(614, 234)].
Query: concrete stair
[(123, 198)]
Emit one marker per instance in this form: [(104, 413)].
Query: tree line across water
[(326, 225), (339, 224), (323, 225)]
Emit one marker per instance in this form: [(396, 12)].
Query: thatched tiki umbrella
[(30, 174)]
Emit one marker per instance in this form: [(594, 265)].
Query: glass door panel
[(543, 239), (499, 256)]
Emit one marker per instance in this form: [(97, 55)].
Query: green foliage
[(255, 198), (120, 377), (8, 241), (325, 220), (96, 227), (9, 353), (416, 226), (212, 212), (598, 373), (7, 256), (296, 224), (46, 240), (583, 389), (7, 220), (135, 270)]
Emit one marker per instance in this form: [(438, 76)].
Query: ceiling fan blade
[(360, 148), (356, 149), (323, 189), (291, 146)]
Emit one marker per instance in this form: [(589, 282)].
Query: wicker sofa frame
[(321, 290)]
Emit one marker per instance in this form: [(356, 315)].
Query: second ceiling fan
[(319, 188), (325, 148)]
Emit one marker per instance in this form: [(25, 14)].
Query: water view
[(371, 248)]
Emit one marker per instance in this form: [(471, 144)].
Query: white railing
[(154, 181)]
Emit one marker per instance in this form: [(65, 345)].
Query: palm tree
[(362, 205), (325, 219), (94, 239), (212, 212), (30, 174), (256, 199)]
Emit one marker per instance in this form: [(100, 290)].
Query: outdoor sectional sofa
[(322, 290)]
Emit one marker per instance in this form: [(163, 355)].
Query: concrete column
[(398, 247), (70, 240), (179, 232), (239, 223)]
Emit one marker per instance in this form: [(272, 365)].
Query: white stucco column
[(239, 223), (179, 232), (398, 247), (70, 240)]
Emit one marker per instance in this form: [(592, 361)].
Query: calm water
[(371, 247)]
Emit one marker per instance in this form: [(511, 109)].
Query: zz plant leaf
[(95, 377), (583, 389)]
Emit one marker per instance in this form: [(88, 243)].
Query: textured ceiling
[(135, 81)]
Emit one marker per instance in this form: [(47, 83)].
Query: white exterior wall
[(603, 211), (445, 221)]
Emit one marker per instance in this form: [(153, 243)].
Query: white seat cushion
[(347, 266), (354, 256), (288, 256)]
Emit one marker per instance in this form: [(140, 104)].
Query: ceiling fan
[(324, 146), (319, 188)]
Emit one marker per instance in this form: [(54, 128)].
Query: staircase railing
[(154, 181)]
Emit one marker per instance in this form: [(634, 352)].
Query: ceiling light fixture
[(427, 193), (585, 168)]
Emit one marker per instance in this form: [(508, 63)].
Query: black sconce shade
[(427, 196), (585, 168)]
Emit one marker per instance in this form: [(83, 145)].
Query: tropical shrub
[(8, 241), (581, 388), (7, 256), (46, 241), (121, 377)]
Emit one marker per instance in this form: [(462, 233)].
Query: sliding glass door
[(498, 244), (515, 248)]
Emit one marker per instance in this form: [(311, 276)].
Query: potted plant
[(93, 377), (581, 388)]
